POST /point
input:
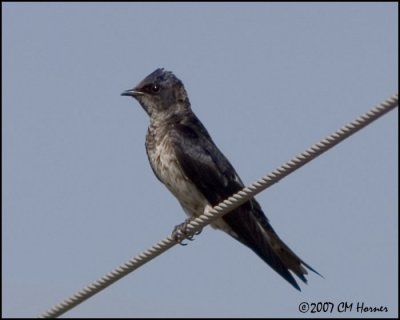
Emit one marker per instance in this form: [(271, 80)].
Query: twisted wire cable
[(224, 207)]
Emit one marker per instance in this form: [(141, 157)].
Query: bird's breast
[(166, 166)]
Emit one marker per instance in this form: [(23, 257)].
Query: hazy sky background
[(267, 80)]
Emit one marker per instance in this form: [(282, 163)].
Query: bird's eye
[(151, 88), (155, 87)]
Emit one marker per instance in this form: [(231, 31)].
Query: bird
[(186, 160)]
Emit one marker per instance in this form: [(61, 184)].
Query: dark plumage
[(184, 157)]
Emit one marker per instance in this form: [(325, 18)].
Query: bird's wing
[(204, 164), (214, 176)]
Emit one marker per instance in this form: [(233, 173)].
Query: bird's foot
[(181, 232)]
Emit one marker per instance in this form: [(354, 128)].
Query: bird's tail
[(263, 240), (285, 259)]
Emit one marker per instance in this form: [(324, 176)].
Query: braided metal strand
[(224, 207)]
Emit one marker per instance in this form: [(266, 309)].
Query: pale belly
[(170, 173)]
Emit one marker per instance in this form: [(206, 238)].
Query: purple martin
[(185, 159)]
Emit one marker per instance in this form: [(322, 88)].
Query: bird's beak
[(132, 93)]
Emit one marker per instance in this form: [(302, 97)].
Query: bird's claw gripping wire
[(181, 232)]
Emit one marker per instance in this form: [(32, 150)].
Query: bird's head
[(161, 94)]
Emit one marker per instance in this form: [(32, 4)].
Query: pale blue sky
[(267, 80)]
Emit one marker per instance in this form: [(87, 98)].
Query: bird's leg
[(180, 232)]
